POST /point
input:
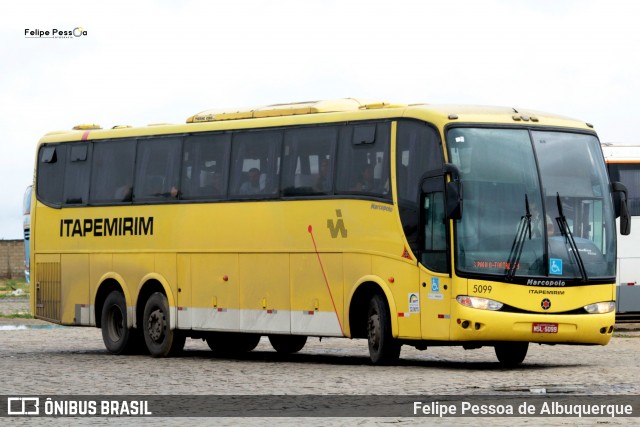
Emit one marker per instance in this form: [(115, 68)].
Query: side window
[(433, 254), (308, 161), (363, 163), (255, 164), (205, 166), (629, 175), (51, 164), (157, 169), (112, 171), (76, 176), (418, 153)]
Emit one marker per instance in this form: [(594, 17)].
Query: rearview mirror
[(622, 210), (454, 192)]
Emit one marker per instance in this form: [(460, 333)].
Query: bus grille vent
[(48, 291)]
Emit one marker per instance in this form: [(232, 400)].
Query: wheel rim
[(155, 325), (115, 327)]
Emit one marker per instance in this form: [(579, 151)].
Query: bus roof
[(327, 111), (292, 109), (621, 153)]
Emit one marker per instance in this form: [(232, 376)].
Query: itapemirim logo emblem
[(55, 33)]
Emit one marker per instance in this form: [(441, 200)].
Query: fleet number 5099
[(482, 289)]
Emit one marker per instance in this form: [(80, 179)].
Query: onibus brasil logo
[(54, 33)]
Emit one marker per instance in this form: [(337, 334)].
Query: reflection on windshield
[(571, 166), (498, 235), (565, 230)]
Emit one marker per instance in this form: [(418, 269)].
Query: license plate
[(545, 328)]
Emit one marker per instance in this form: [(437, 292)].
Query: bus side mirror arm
[(622, 210), (454, 192)]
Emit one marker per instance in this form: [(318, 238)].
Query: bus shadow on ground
[(327, 357), (358, 360)]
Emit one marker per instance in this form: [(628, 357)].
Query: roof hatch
[(295, 108)]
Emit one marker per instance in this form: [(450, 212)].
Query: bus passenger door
[(435, 280), (435, 294)]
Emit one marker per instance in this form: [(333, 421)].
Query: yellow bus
[(414, 225)]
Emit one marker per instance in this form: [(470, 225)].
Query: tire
[(230, 343), (383, 348), (287, 344), (511, 354), (117, 337), (161, 341)]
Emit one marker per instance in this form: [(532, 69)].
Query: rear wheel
[(117, 337), (287, 344), (229, 343), (160, 339), (511, 354), (383, 348)]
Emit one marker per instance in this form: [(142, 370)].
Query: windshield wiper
[(524, 228), (566, 231)]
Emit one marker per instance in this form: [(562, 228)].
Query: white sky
[(161, 61)]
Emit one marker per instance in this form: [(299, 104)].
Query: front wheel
[(160, 339), (511, 354), (383, 348)]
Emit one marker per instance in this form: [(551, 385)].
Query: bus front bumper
[(469, 324)]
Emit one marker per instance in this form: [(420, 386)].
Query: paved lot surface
[(40, 359)]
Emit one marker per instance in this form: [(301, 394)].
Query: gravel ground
[(37, 358)]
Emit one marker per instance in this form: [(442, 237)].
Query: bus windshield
[(535, 206)]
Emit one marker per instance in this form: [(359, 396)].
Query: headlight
[(480, 303), (601, 307)]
